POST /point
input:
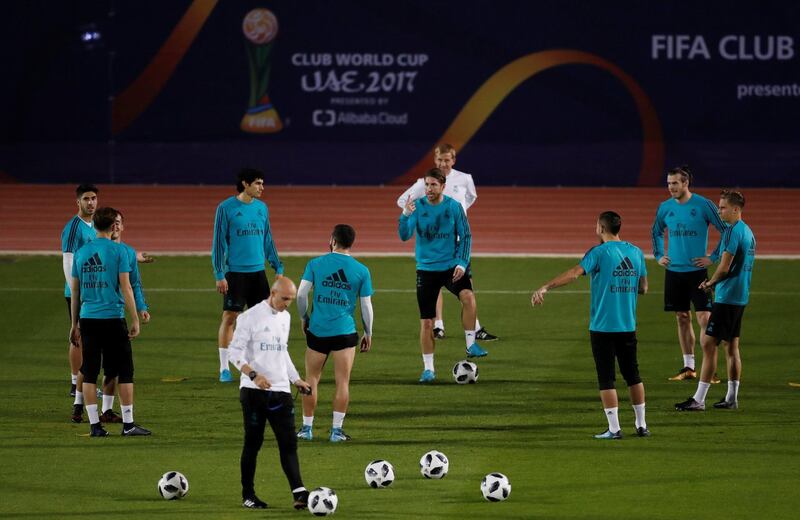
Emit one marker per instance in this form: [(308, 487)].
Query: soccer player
[(338, 282), (101, 292), (442, 252), (731, 284), (687, 215), (460, 187), (260, 350), (618, 274), (242, 243)]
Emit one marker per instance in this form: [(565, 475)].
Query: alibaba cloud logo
[(323, 117)]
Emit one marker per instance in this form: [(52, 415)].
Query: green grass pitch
[(531, 415)]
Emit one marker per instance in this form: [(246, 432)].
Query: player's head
[(444, 157), (342, 237), (731, 204), (104, 219), (282, 293), (678, 181), (434, 184), (250, 181), (119, 227), (608, 223), (87, 199)]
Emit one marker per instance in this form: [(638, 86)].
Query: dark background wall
[(727, 99)]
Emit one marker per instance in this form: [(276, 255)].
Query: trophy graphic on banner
[(260, 28)]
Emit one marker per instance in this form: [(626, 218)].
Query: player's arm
[(366, 320), (138, 293), (66, 265), (721, 273), (219, 249), (130, 303), (657, 238), (643, 285), (144, 258), (472, 195), (567, 277), (302, 302), (416, 191), (74, 310), (291, 371), (464, 246), (270, 251), (408, 220)]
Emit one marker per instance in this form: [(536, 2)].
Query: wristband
[(252, 375)]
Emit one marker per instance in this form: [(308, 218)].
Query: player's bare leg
[(224, 338), (702, 320), (686, 339), (468, 318), (315, 361), (342, 367)]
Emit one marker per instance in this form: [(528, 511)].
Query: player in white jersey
[(259, 350), (461, 187)]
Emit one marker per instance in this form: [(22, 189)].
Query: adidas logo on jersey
[(337, 280), (93, 265), (625, 268)]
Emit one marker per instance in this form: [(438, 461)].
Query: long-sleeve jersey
[(688, 231), (444, 239), (458, 186), (136, 279), (242, 238), (261, 340)]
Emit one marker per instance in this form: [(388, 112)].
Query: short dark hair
[(437, 174), (344, 235), (248, 175), (83, 188), (610, 221), (104, 218), (683, 171), (733, 197)]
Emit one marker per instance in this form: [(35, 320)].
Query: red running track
[(164, 219)]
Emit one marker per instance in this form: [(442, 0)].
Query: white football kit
[(458, 186)]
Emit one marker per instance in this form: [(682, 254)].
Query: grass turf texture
[(531, 415)]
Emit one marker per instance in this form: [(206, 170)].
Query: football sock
[(613, 419), (477, 324), (638, 409), (688, 360), (438, 324), (427, 360), (308, 421), (469, 335), (127, 413), (223, 359), (78, 397), (338, 419), (733, 391), (74, 378), (702, 391), (94, 417), (108, 402)]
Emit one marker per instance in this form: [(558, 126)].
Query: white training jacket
[(261, 340), (458, 186)]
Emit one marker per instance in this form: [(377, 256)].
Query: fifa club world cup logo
[(260, 28)]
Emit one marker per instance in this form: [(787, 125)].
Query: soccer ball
[(173, 485), (322, 501), (379, 474), (465, 372), (434, 464), (495, 487)]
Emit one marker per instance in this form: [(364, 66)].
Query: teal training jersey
[(75, 234), (339, 281), (97, 267), (615, 269), (739, 241), (242, 239), (136, 279), (443, 236), (688, 231)]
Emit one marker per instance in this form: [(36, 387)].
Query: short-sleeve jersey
[(444, 239), (339, 281), (76, 233), (738, 240), (615, 268), (242, 238), (688, 231), (97, 266)]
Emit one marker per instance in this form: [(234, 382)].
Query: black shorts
[(620, 345), (106, 343), (681, 290), (245, 289), (430, 282), (328, 344), (725, 322)]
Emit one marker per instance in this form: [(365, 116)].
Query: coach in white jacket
[(260, 350)]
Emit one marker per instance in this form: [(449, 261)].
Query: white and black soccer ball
[(495, 487), (379, 474), (465, 372), (434, 464), (322, 501), (173, 485)]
